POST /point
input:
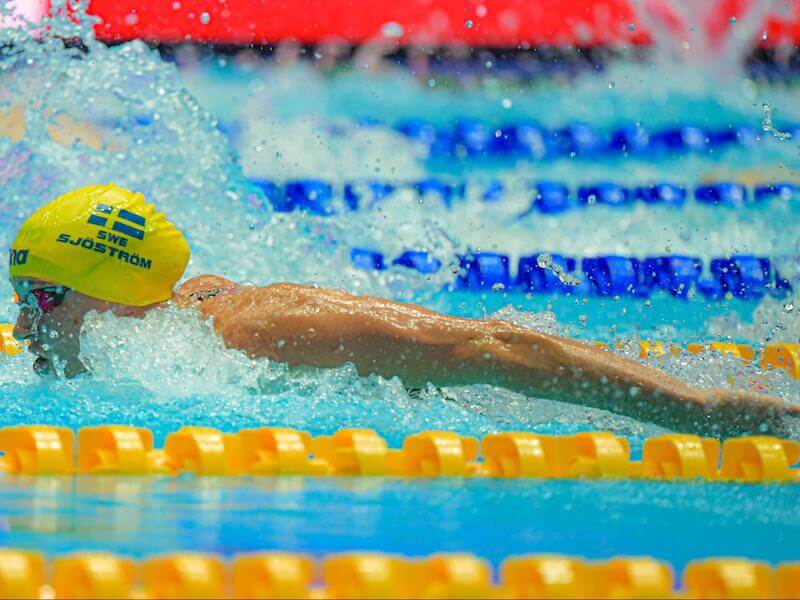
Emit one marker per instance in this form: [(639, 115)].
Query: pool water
[(493, 519), (163, 127)]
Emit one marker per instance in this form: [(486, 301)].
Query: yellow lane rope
[(204, 451), (376, 575)]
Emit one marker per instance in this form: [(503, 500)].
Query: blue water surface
[(675, 522)]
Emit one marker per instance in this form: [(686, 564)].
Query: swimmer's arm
[(306, 326)]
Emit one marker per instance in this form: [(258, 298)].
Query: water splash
[(767, 125), (332, 151), (545, 261), (702, 33), (774, 320), (543, 322), (156, 138)]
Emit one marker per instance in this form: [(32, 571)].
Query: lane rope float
[(381, 575), (547, 197), (279, 451)]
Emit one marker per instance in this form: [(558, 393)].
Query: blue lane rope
[(473, 139), (476, 139), (745, 277), (547, 197)]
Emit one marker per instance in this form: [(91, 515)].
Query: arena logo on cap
[(126, 222), (17, 258)]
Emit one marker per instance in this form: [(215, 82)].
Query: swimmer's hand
[(744, 412)]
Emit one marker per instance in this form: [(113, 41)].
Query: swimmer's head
[(103, 241), (97, 248)]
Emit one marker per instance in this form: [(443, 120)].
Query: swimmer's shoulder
[(204, 283), (200, 288), (203, 287)]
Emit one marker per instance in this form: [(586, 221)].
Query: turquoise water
[(162, 127), (673, 522)]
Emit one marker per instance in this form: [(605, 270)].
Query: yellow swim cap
[(102, 241)]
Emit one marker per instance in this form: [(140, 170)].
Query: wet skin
[(303, 325)]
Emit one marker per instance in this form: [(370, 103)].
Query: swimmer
[(102, 248)]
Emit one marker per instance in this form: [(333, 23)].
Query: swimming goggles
[(42, 300)]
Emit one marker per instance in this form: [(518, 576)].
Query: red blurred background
[(493, 23)]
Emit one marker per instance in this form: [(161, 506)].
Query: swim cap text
[(92, 245)]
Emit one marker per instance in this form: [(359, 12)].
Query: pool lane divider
[(744, 277), (378, 575), (322, 198), (781, 355), (473, 140), (741, 276), (477, 140), (280, 451), (747, 277)]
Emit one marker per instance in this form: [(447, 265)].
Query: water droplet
[(176, 5), (392, 29), (469, 24), (431, 82), (788, 307), (205, 18), (507, 103), (498, 287), (632, 27), (768, 126), (131, 19), (764, 36), (612, 84), (481, 11), (488, 64), (732, 20), (545, 261)]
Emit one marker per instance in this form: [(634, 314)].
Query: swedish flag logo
[(125, 222)]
